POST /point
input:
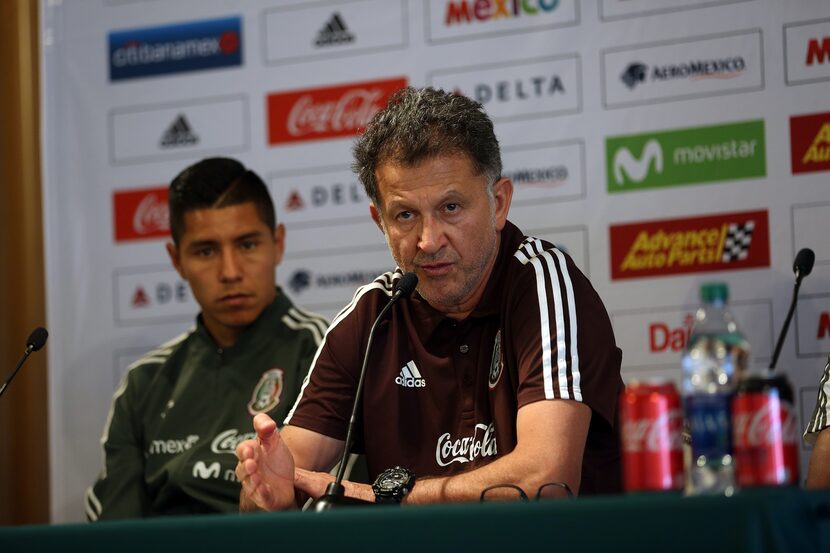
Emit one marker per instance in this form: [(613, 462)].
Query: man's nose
[(432, 235), (230, 270)]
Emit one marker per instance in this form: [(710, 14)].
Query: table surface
[(761, 520)]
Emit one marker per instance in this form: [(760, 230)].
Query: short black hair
[(214, 183), (423, 123)]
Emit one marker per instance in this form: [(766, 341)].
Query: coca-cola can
[(652, 422), (764, 431)]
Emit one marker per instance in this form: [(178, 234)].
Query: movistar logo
[(686, 156), (637, 169)]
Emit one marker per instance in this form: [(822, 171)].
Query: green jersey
[(181, 410)]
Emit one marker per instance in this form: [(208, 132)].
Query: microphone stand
[(335, 495)]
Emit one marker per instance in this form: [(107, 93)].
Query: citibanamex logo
[(326, 112), (762, 427), (482, 443), (653, 435), (141, 214)]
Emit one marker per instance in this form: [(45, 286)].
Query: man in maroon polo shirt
[(500, 369)]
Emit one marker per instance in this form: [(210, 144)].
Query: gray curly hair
[(419, 124)]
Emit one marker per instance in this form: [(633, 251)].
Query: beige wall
[(24, 475)]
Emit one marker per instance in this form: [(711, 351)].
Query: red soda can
[(764, 431), (652, 422)]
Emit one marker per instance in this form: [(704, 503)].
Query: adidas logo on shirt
[(179, 134), (410, 377), (334, 32)]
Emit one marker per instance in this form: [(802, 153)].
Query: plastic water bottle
[(715, 357)]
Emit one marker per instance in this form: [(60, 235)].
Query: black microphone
[(35, 341), (802, 266), (335, 492)]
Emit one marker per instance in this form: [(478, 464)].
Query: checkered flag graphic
[(737, 241)]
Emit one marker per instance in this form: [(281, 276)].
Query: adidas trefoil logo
[(410, 377), (179, 133), (334, 32)]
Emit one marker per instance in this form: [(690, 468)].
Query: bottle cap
[(712, 292)]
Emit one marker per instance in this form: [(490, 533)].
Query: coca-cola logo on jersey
[(653, 434), (761, 427), (481, 443), (227, 440), (141, 214), (331, 112)]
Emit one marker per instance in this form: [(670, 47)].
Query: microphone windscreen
[(37, 338), (804, 261), (407, 284)]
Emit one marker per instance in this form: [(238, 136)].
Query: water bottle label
[(709, 424)]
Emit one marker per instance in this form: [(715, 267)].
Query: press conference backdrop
[(662, 143)]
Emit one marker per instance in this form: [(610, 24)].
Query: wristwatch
[(392, 485)]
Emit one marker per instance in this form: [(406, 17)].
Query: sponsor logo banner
[(331, 112), (326, 282), (812, 325), (724, 242), (571, 240), (543, 173), (686, 156), (807, 52), (300, 33), (320, 198), (183, 129), (518, 89), (810, 142), (148, 295), (619, 9), (140, 214), (678, 70), (450, 20), (209, 44), (656, 337), (811, 227)]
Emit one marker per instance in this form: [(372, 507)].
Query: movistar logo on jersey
[(686, 156)]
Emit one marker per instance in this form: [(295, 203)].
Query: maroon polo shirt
[(441, 396)]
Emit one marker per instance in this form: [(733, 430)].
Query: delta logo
[(723, 242), (140, 214), (323, 113), (810, 143), (688, 156), (459, 12), (195, 46)]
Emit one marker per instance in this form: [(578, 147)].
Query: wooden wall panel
[(24, 455)]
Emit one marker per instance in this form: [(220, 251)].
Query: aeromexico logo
[(686, 156), (464, 449)]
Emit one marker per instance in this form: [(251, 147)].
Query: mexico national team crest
[(267, 392), (496, 363)]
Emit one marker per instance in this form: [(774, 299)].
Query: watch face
[(393, 483), (393, 479)]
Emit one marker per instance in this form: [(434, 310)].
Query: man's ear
[(175, 258), (373, 211), (502, 196), (279, 243)]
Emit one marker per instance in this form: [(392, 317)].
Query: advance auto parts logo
[(722, 242), (195, 46), (686, 156), (810, 142)]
